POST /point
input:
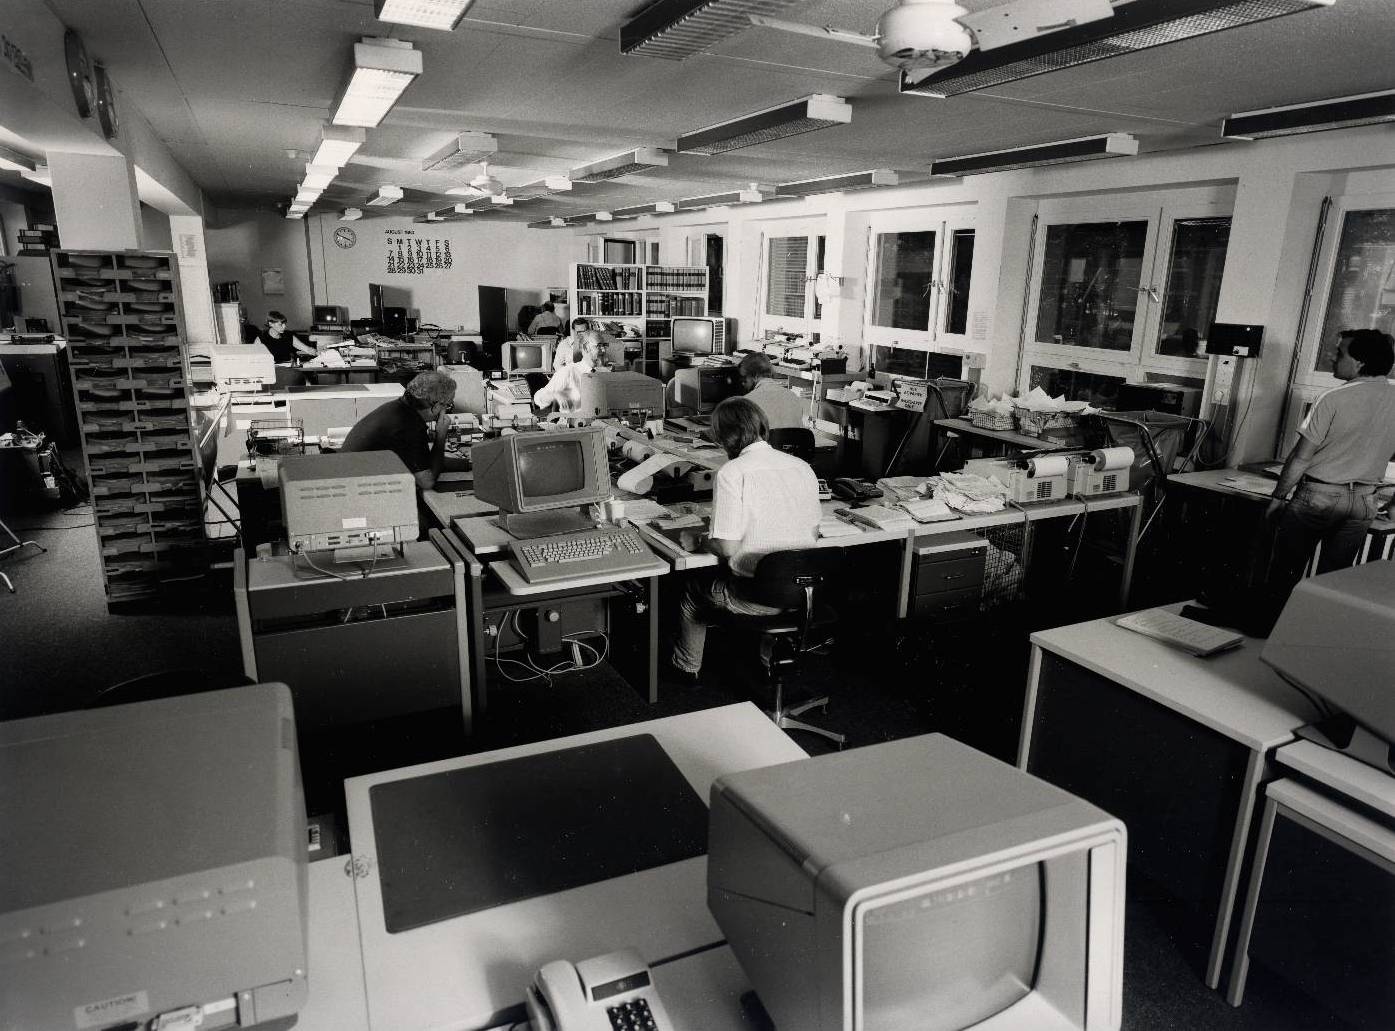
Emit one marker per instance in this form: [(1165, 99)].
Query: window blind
[(786, 266)]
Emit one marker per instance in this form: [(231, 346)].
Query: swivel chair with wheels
[(797, 582), (10, 543), (795, 441)]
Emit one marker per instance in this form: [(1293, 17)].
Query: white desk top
[(458, 973), (1342, 773), (1233, 693), (336, 1001), (1346, 822)]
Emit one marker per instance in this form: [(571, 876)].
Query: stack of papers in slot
[(928, 510), (879, 517), (837, 528), (1198, 638)]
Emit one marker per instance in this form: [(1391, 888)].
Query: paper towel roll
[(1046, 465), (1108, 458)]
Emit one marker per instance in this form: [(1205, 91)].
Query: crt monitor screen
[(693, 336), (549, 468)]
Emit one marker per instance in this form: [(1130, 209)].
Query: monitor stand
[(545, 524)]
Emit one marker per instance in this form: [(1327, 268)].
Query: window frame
[(811, 230), (1161, 210), (944, 223), (1308, 380)]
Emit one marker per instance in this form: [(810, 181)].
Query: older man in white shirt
[(564, 388), (763, 500)]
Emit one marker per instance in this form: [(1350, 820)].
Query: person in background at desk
[(763, 500), (782, 407), (570, 364), (544, 320), (1336, 465), (400, 426), (281, 342)]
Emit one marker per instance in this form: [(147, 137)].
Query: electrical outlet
[(1222, 380)]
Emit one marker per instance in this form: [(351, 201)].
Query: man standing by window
[(1336, 465)]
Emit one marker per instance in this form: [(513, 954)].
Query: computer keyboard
[(1198, 638), (587, 553)]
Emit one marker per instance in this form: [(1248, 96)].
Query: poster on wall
[(273, 281), (412, 255)]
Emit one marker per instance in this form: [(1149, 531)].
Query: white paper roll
[(1046, 465), (1109, 458), (635, 451), (639, 479)]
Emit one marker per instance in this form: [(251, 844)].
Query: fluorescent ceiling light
[(383, 69), (429, 216), (1137, 25), (675, 29), (386, 195), (839, 183), (549, 223), (658, 207), (465, 149), (40, 175), (753, 194), (317, 177), (603, 216), (558, 183), (1110, 145), (1342, 113), (338, 143), (819, 111), (425, 14), (628, 163), (307, 195), (350, 214), (14, 161), (295, 213), (453, 212)]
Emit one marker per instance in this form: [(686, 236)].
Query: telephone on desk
[(607, 992), (855, 490)]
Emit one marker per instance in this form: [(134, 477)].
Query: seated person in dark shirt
[(281, 342), (401, 426)]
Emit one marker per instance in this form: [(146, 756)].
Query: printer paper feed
[(1110, 458), (639, 479)]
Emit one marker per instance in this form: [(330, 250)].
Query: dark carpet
[(61, 647)]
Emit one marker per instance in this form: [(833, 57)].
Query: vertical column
[(95, 201), (186, 231)]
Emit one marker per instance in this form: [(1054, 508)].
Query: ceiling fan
[(482, 185), (925, 35)]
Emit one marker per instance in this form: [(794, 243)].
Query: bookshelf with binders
[(644, 296)]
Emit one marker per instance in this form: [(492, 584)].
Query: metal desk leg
[(1240, 963), (1130, 551), (1029, 708), (460, 577), (903, 604), (244, 614), (653, 659), (1230, 887)]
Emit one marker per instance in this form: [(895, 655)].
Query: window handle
[(1152, 292)]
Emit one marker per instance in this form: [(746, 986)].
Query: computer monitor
[(703, 387), (526, 355), (698, 335), (1336, 639), (534, 477), (331, 316), (969, 894)]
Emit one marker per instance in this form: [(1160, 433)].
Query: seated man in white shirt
[(783, 408), (763, 500), (564, 388)]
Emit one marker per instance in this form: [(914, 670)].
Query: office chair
[(794, 440), (795, 582), (9, 549)]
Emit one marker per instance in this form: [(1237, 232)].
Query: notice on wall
[(273, 281), (189, 246), (980, 323), (411, 255)]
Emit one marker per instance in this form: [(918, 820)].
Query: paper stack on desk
[(837, 528), (927, 510), (879, 517)]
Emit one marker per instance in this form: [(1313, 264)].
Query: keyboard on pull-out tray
[(587, 553)]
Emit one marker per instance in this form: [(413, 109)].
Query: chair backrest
[(794, 440), (794, 579)]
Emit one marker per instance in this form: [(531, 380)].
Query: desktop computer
[(616, 393), (918, 884), (155, 864), (352, 503), (541, 483), (703, 387), (330, 318)]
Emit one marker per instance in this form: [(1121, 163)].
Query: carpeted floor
[(61, 647)]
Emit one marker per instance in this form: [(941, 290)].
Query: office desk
[(1069, 507), (1001, 442), (470, 971), (1176, 746)]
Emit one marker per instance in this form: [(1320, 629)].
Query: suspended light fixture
[(338, 143), (386, 195), (424, 14), (383, 69)]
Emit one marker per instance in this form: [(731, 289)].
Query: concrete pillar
[(187, 233), (95, 201)]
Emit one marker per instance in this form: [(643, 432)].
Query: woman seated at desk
[(569, 365)]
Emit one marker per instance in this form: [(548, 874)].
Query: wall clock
[(345, 237), (79, 74), (106, 103)]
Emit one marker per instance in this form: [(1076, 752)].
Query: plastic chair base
[(784, 719)]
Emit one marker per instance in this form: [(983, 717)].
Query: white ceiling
[(232, 85)]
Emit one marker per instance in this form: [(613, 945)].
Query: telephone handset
[(614, 991)]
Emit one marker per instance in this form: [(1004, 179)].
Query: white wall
[(155, 229), (251, 241), (506, 254)]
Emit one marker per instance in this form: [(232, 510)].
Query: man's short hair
[(275, 316), (753, 369), (430, 388), (547, 306), (738, 423), (1373, 349)]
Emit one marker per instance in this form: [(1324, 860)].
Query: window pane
[(1193, 285), (905, 271), (820, 249), (716, 262), (961, 267), (1363, 284), (618, 252), (784, 283), (1089, 284), (1098, 389)]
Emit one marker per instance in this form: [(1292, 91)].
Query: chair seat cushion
[(782, 622)]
